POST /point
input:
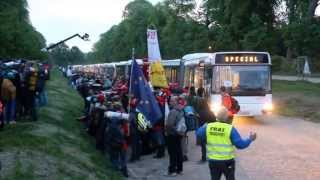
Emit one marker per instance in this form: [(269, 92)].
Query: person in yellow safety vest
[(221, 138)]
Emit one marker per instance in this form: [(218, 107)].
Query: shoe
[(124, 172), (12, 122), (180, 173), (202, 161), (185, 158), (132, 160), (171, 174), (157, 157)]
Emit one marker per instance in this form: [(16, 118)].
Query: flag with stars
[(140, 89)]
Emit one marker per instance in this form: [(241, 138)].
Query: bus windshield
[(243, 80)]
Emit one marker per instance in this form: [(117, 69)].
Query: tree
[(18, 38), (63, 55)]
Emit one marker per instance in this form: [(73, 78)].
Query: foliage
[(281, 27), (18, 38), (63, 55), (56, 146)]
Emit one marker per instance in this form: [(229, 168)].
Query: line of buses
[(247, 74)]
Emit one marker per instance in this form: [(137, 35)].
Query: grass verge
[(297, 98), (54, 147)]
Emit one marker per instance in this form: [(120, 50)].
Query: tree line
[(285, 28), (18, 38)]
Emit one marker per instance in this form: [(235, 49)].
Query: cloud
[(58, 19)]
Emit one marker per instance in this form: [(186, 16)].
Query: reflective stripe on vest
[(142, 124), (219, 146)]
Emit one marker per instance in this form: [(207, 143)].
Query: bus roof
[(128, 62), (207, 58), (196, 56), (172, 62)]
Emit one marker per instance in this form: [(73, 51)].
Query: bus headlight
[(215, 107), (268, 107)]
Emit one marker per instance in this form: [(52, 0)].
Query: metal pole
[(132, 59)]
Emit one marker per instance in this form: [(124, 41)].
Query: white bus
[(246, 74), (172, 70), (123, 67)]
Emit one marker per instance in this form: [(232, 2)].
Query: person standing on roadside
[(221, 137), (174, 138)]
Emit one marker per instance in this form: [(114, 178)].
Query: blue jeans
[(158, 138), (42, 98), (118, 158), (10, 111), (136, 146)]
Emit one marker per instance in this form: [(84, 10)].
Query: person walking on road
[(221, 137)]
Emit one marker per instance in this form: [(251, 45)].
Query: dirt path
[(286, 148)]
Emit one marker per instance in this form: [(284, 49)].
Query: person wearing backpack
[(174, 130), (117, 133), (136, 129), (230, 103)]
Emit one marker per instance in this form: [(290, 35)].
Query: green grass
[(298, 98), (56, 141)]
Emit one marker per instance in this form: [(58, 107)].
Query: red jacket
[(125, 128), (1, 107), (227, 103)]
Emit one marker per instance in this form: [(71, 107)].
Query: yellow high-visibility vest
[(219, 145)]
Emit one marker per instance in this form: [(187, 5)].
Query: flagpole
[(132, 59)]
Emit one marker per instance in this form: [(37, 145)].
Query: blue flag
[(140, 89)]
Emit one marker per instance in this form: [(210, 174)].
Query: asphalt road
[(286, 148)]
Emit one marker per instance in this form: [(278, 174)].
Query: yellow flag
[(158, 76)]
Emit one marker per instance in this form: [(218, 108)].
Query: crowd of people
[(112, 117), (22, 90)]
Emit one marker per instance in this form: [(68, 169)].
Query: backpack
[(235, 107), (190, 118), (181, 127)]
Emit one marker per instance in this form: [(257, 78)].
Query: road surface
[(286, 148), (296, 78)]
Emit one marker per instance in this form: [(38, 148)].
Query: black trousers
[(175, 154), (203, 151), (217, 168)]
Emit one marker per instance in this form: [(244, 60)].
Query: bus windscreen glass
[(243, 80)]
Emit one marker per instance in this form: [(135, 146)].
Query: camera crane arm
[(85, 37)]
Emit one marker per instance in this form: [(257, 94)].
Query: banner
[(153, 46), (158, 75)]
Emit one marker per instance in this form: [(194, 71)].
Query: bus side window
[(208, 80)]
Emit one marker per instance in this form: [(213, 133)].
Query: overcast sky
[(59, 19)]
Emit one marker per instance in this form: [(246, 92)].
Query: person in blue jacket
[(221, 138)]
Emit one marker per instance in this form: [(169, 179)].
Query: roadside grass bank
[(55, 146), (297, 98)]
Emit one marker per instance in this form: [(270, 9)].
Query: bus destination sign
[(241, 58)]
